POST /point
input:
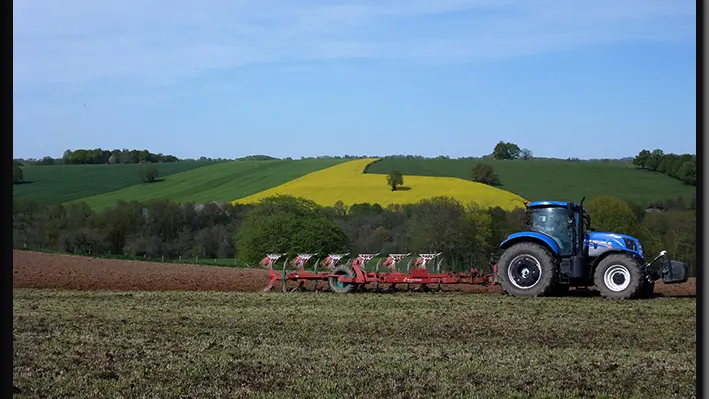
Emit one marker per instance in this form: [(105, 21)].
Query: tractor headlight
[(630, 244), (633, 245)]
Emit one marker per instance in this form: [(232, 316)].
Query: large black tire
[(527, 269), (342, 288), (618, 276)]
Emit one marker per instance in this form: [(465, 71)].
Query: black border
[(701, 201), (8, 269), (701, 197)]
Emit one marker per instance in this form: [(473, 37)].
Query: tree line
[(682, 167), (466, 234), (101, 156)]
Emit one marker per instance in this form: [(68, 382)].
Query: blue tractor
[(558, 253)]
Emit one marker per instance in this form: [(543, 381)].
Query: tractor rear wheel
[(618, 276), (343, 288), (527, 269)]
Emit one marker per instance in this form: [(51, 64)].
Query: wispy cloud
[(144, 43)]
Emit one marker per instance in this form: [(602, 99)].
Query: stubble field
[(113, 335)]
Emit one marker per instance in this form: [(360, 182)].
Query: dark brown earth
[(43, 270)]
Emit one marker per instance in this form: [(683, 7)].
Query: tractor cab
[(558, 220), (565, 223)]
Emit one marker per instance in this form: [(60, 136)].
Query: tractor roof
[(546, 203)]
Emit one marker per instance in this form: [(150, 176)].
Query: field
[(145, 343), (554, 180), (348, 183), (221, 182), (328, 180), (65, 183)]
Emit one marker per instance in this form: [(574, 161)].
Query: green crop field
[(553, 180), (220, 182), (199, 345), (65, 183)]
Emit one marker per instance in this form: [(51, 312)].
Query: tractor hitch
[(671, 271)]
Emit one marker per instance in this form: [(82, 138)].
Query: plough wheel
[(342, 288)]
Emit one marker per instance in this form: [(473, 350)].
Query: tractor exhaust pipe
[(579, 264)]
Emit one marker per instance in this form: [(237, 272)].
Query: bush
[(612, 215), (17, 175), (148, 174), (483, 173)]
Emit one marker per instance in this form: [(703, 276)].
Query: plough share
[(353, 275)]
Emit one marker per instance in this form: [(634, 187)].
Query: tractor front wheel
[(527, 269), (339, 287), (618, 276)]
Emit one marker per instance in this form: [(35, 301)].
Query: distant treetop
[(682, 167), (257, 158), (100, 156)]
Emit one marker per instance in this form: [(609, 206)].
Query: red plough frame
[(417, 272)]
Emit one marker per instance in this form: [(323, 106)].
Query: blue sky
[(228, 78)]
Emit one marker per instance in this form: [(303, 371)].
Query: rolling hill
[(65, 183), (328, 180), (348, 183), (219, 182), (552, 179)]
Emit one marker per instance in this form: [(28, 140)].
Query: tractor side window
[(554, 222)]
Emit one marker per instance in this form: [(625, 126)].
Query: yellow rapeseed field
[(348, 183)]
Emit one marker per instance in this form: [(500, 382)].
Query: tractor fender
[(605, 254), (531, 236)]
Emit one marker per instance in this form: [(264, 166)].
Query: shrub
[(148, 174), (483, 173)]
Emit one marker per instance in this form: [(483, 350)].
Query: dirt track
[(42, 270)]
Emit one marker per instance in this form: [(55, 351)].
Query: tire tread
[(546, 259), (636, 273)]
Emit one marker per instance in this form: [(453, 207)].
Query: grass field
[(220, 182), (178, 345), (554, 180), (348, 183), (65, 183)]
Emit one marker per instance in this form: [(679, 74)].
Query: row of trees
[(466, 234), (101, 156), (682, 167)]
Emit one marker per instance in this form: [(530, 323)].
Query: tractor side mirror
[(570, 209)]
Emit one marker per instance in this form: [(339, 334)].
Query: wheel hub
[(524, 271), (616, 278)]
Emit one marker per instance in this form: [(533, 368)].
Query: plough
[(353, 275)]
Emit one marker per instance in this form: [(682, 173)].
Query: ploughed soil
[(43, 270)]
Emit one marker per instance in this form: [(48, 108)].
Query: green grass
[(220, 182), (218, 345), (65, 183), (554, 180)]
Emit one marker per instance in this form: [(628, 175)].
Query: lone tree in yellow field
[(395, 178)]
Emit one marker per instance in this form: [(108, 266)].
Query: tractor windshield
[(554, 222)]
